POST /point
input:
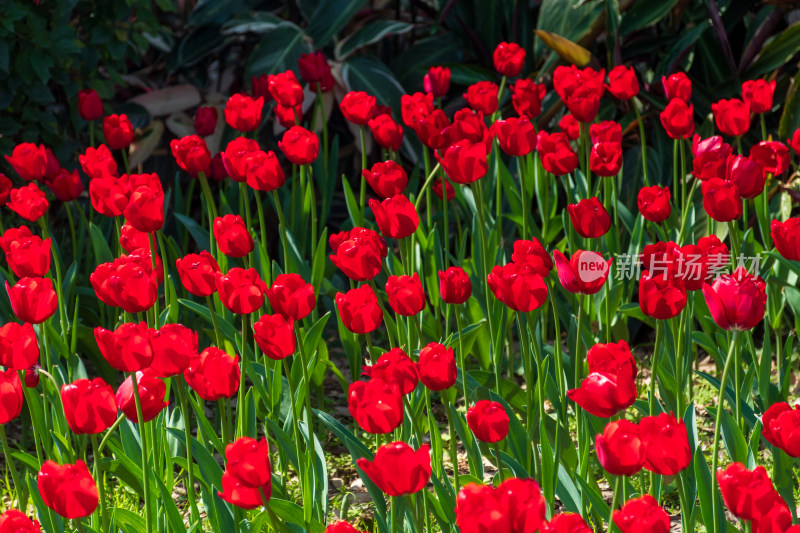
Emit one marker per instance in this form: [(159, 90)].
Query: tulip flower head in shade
[(622, 82), (397, 469), (437, 81), (677, 85), (584, 273), (29, 161), (68, 489), (243, 113), (285, 89), (316, 71), (526, 97), (642, 515), (10, 395), (90, 107), (509, 58), (118, 131), (732, 117), (654, 203), (205, 120), (736, 301), (589, 218)]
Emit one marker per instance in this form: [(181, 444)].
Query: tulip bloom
[(678, 119), (518, 285), (316, 71), (237, 157), (782, 427), (736, 301), (360, 254), (516, 505), (396, 369), (285, 89), (145, 210), (557, 155), (29, 256), (526, 97), (748, 494), (68, 489), (772, 156), (532, 253), (127, 348), (590, 218), (232, 236), (437, 367), (151, 389), (661, 296), (611, 358), (566, 523), (405, 294), (488, 420), (712, 160), (118, 131), (732, 117), (240, 290), (437, 81), (29, 202), (90, 107), (509, 58), (33, 299), (430, 128), (387, 133), (584, 273), (569, 125), (29, 161), (205, 120), (109, 195), (396, 216), (174, 348), (213, 374), (98, 162), (455, 286), (359, 309), (758, 95), (642, 515), (448, 190), (786, 236), (620, 450), (721, 200), (341, 527), (482, 97), (465, 161), (397, 469), (375, 405), (19, 349), (415, 105), (605, 159), (654, 203), (243, 113), (192, 155), (236, 493), (274, 334), (357, 107), (90, 407), (291, 296), (622, 82), (666, 442), (300, 146), (198, 273), (747, 174), (248, 461), (605, 394), (127, 284), (517, 136), (10, 395), (677, 85), (387, 178), (607, 131)]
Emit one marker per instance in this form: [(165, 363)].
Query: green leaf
[(777, 52), (253, 22), (369, 34), (292, 513), (367, 74), (645, 13), (198, 233), (278, 51), (102, 253), (329, 18)]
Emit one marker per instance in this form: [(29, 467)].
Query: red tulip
[(192, 155), (437, 81), (388, 133), (66, 186), (584, 273), (449, 190), (33, 299), (205, 120), (604, 394), (654, 203), (243, 113), (29, 161), (773, 156), (430, 129), (232, 236), (396, 369), (736, 301), (90, 107), (5, 188), (397, 469), (642, 515), (732, 117), (248, 461), (515, 506), (580, 89), (566, 523), (776, 520), (678, 119), (606, 159), (666, 442), (557, 155), (781, 427), (415, 105), (145, 210), (589, 218), (118, 131), (90, 407), (240, 290), (533, 254), (465, 161), (607, 131), (291, 296), (746, 174), (488, 420), (611, 358), (570, 125), (264, 172), (758, 94), (127, 348), (711, 157), (240, 495), (213, 374), (677, 85), (316, 71), (386, 178), (786, 236), (274, 334), (405, 294), (357, 107), (289, 116), (300, 146), (376, 406), (359, 309), (174, 348), (285, 89), (218, 172), (509, 58), (198, 273), (341, 527), (794, 142), (622, 82), (98, 162), (396, 216), (661, 296), (126, 284), (437, 367), (620, 450), (721, 200), (237, 157), (68, 489), (10, 395), (151, 394), (359, 255), (748, 494), (455, 286), (29, 202), (482, 97), (29, 256), (19, 349), (526, 97), (518, 285), (517, 136), (259, 87)]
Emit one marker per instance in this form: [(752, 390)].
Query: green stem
[(462, 358), (496, 447), (478, 192), (145, 453), (614, 501), (363, 193), (720, 407), (187, 429), (217, 331), (240, 411), (643, 142), (9, 461), (284, 235), (267, 272), (453, 444), (99, 475)]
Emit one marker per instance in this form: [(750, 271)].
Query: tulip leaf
[(167, 503), (596, 499), (102, 252), (200, 235), (293, 513), (468, 440), (129, 521)]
